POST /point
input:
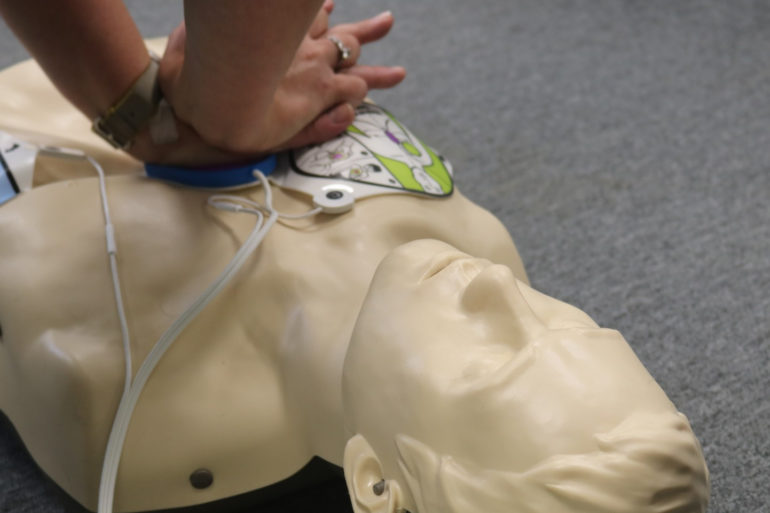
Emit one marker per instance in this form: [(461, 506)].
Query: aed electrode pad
[(378, 151)]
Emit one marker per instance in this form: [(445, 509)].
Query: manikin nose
[(495, 293)]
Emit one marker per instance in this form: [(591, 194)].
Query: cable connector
[(112, 247), (226, 205)]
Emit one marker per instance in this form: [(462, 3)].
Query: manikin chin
[(400, 341)]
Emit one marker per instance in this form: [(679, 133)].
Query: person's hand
[(316, 99), (313, 101)]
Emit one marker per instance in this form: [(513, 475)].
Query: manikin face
[(455, 352)]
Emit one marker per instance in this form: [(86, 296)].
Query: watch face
[(378, 150)]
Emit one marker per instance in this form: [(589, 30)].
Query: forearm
[(90, 49), (236, 53), (244, 77)]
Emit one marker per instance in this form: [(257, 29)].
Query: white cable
[(235, 204), (133, 391), (112, 250)]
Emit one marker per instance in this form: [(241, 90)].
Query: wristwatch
[(133, 111)]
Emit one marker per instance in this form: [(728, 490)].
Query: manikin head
[(466, 390)]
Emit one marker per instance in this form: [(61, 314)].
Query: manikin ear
[(370, 491)]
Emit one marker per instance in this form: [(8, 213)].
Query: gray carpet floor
[(626, 146)]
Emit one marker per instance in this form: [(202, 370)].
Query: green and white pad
[(379, 153)]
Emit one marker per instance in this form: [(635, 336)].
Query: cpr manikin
[(441, 382)]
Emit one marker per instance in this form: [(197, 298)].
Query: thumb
[(326, 126)]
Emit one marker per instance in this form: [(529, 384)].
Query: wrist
[(133, 110), (237, 130), (225, 115), (189, 150)]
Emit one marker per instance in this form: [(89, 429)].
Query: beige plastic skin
[(497, 398), (252, 389)]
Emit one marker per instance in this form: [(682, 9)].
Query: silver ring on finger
[(343, 52)]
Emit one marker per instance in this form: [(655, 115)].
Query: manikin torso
[(251, 389), (437, 382)]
